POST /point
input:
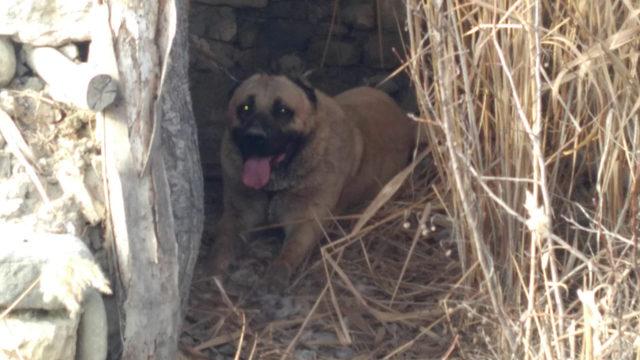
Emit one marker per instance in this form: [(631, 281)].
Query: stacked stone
[(292, 36)]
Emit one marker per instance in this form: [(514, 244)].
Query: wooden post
[(154, 190)]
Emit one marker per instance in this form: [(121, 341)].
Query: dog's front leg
[(303, 221), (242, 211), (299, 241)]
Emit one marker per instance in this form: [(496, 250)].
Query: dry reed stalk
[(553, 90)]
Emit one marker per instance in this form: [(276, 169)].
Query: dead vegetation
[(534, 125), (524, 246)]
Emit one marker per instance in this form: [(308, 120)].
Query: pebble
[(31, 83), (306, 355), (7, 61)]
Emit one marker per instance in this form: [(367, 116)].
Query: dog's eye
[(244, 109), (283, 111)]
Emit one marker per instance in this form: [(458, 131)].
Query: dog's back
[(388, 136)]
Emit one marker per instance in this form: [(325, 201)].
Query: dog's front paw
[(277, 277)]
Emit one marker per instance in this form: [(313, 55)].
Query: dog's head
[(271, 117)]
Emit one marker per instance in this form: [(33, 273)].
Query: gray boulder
[(46, 22), (50, 285)]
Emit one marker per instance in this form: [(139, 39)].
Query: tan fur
[(356, 142)]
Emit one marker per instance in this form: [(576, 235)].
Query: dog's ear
[(309, 91)]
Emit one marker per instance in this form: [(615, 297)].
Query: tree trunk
[(153, 174)]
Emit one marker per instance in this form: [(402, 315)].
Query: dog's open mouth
[(257, 169)]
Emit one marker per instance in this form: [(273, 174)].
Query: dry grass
[(525, 244), (386, 273), (531, 110)]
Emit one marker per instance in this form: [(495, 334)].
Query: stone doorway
[(356, 43)]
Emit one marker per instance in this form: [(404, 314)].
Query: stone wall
[(357, 43)]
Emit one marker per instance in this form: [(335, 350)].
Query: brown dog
[(295, 156)]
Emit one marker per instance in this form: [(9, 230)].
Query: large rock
[(215, 23), (237, 3), (211, 54), (50, 282), (7, 61), (46, 22), (62, 264), (38, 335), (289, 64), (338, 53), (248, 34), (360, 16)]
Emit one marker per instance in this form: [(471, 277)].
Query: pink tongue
[(256, 172)]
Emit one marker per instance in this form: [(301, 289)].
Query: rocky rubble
[(51, 197)]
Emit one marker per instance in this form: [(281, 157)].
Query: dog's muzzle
[(263, 149)]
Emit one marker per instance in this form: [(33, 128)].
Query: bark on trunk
[(153, 174)]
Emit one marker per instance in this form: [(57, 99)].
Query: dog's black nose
[(251, 142), (257, 141), (256, 132)]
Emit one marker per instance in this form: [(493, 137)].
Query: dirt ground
[(376, 293)]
